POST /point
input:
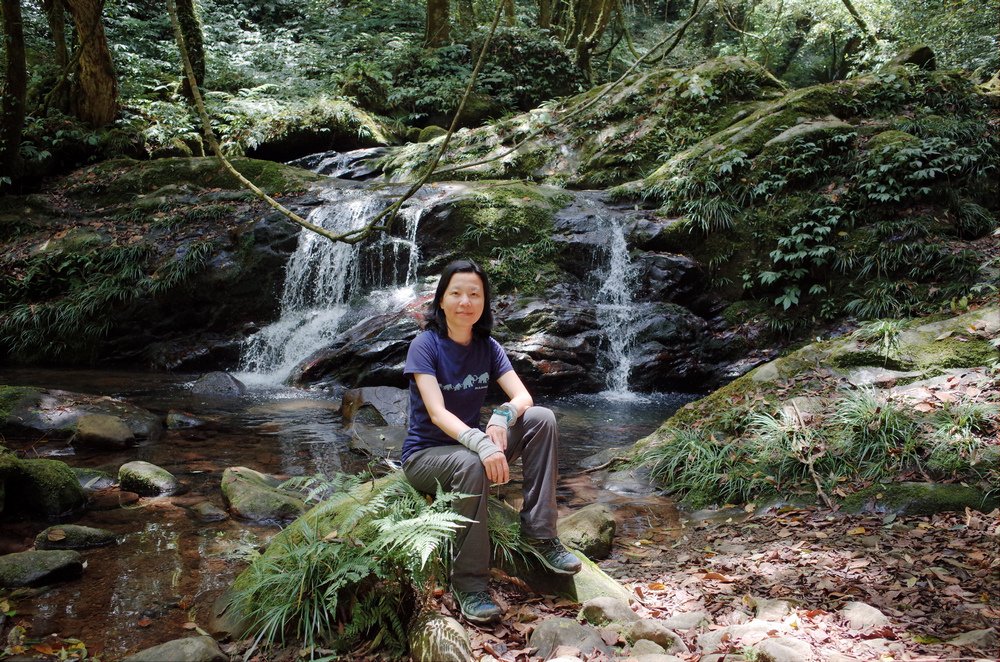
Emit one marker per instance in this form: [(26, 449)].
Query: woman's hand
[(497, 469), (498, 435)]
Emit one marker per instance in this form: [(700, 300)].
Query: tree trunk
[(95, 99), (593, 17), (194, 41), (869, 37), (13, 89), (545, 14), (55, 15), (466, 15), (438, 26), (509, 15)]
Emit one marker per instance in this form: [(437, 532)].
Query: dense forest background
[(86, 80)]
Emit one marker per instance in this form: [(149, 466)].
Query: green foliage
[(877, 437), (883, 335), (359, 582)]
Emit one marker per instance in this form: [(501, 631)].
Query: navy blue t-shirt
[(463, 372)]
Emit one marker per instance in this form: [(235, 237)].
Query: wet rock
[(860, 616), (255, 496), (73, 536), (102, 431), (601, 611), (146, 479), (188, 649), (375, 406), (630, 482), (55, 414), (668, 277), (44, 488), (111, 499), (382, 441), (554, 633), (218, 384), (653, 630), (39, 568), (178, 420), (208, 512), (590, 529), (92, 480), (435, 637)]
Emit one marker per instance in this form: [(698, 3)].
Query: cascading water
[(321, 278), (616, 313)]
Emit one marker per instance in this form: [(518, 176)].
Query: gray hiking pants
[(534, 438)]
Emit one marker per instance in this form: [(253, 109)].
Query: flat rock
[(981, 640), (871, 376), (146, 479), (73, 536), (377, 441), (746, 634), (687, 620), (553, 633), (785, 649), (860, 616), (38, 568), (187, 649)]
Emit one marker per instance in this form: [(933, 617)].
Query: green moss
[(429, 133), (956, 351), (11, 397), (890, 140), (920, 499), (47, 488)]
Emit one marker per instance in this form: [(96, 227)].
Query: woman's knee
[(539, 416), (470, 475)]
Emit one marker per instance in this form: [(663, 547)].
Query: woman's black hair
[(435, 316)]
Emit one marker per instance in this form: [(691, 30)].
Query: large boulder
[(554, 633), (254, 496), (375, 406), (435, 637), (38, 568), (42, 488), (218, 385), (34, 413), (73, 536), (590, 529), (146, 479)]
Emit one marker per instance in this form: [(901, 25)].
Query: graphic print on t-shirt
[(470, 381)]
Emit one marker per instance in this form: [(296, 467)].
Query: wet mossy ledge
[(835, 417)]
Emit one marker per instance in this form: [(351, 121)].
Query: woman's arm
[(516, 391)]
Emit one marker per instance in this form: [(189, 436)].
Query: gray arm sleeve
[(476, 441)]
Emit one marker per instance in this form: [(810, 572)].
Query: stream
[(169, 567)]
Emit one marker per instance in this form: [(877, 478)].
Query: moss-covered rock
[(38, 568), (102, 431), (435, 637), (73, 536), (146, 479), (920, 499), (257, 497), (47, 489)]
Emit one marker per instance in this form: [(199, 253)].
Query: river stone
[(207, 511), (646, 647), (177, 420), (38, 568), (255, 496), (73, 536), (377, 441), (435, 637), (590, 529), (92, 480), (218, 384), (860, 616), (187, 649), (375, 406), (53, 414), (687, 620), (655, 631), (785, 649), (146, 479), (45, 488), (745, 634), (601, 611), (555, 632), (636, 481), (102, 431), (111, 499)]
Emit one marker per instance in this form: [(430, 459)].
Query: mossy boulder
[(257, 497), (590, 529), (920, 499), (43, 488), (146, 479), (434, 637), (102, 431), (187, 649), (73, 536), (38, 568), (34, 413)]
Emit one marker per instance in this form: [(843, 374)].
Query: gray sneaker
[(478, 606), (554, 556)]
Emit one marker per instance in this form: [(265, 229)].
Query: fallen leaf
[(56, 534), (145, 622), (715, 576), (857, 531)]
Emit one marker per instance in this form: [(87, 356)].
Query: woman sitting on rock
[(450, 365)]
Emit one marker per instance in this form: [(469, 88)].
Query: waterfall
[(616, 313), (323, 277)]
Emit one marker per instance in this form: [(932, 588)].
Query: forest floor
[(933, 577)]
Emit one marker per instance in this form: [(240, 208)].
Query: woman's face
[(463, 300)]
